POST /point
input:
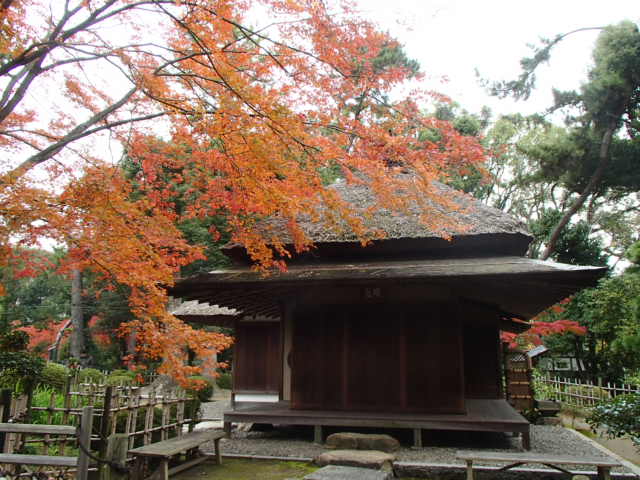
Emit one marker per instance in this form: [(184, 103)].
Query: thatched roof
[(472, 218), (464, 219)]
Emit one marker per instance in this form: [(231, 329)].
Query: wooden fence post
[(5, 403), (105, 420), (116, 452), (27, 414), (84, 439)]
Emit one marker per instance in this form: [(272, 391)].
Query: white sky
[(454, 37)]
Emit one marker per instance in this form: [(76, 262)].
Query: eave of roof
[(516, 285)]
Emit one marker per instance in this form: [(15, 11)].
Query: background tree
[(590, 157), (35, 298), (576, 187)]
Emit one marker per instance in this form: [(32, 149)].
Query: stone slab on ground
[(336, 472), (357, 458), (362, 441)]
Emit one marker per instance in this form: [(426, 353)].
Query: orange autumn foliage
[(250, 117), (40, 339)]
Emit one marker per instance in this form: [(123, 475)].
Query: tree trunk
[(77, 347), (594, 181), (132, 345)]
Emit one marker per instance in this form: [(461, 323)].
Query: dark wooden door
[(257, 364), (483, 377), (377, 358)]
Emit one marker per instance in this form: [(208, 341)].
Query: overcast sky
[(454, 37)]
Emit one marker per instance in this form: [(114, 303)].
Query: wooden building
[(402, 333)]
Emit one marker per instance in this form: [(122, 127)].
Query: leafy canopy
[(253, 117)]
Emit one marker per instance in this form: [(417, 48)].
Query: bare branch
[(80, 131)]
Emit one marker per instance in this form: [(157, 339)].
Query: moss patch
[(587, 433), (246, 469)]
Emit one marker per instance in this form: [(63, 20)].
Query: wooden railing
[(55, 463), (141, 414)]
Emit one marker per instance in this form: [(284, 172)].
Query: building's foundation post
[(417, 438)]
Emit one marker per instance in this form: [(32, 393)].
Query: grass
[(246, 469)]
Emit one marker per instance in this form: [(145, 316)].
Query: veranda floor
[(485, 415)]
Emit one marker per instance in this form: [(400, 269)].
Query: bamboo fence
[(571, 391)]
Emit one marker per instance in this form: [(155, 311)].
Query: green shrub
[(202, 389), (541, 389), (225, 381), (618, 417), (54, 375), (19, 370), (120, 380), (42, 398), (532, 415), (14, 341), (90, 375), (633, 378)]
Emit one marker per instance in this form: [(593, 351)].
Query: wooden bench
[(516, 459), (80, 463), (164, 450)]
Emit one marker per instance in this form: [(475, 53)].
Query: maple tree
[(251, 115), (40, 339), (546, 323)]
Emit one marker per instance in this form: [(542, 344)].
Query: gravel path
[(439, 447), (214, 410)]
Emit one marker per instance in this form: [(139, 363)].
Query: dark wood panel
[(332, 344), (481, 362), (306, 365), (434, 362), (257, 357), (374, 359), (452, 367), (378, 358)]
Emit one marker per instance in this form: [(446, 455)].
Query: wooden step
[(15, 458), (33, 429)]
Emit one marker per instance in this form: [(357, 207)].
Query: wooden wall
[(482, 366), (378, 358), (257, 365)]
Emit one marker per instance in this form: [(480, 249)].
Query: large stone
[(333, 472), (357, 458), (362, 441)]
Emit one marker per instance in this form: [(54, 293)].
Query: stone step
[(370, 459), (362, 441), (335, 472)]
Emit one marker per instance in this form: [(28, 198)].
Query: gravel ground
[(439, 447), (214, 410)]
